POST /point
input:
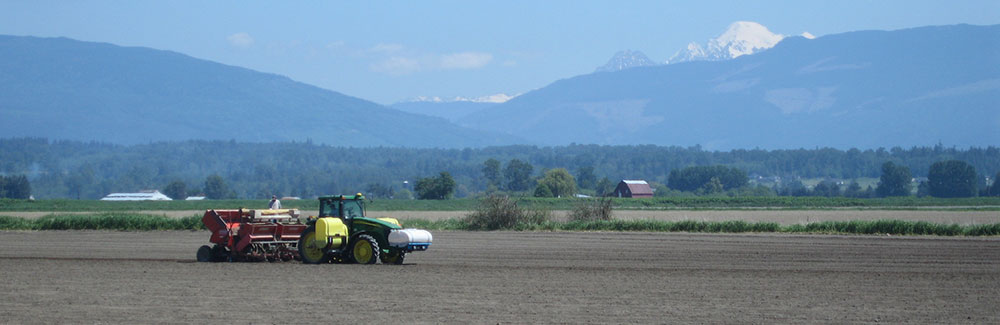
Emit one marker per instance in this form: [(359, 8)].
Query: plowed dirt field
[(504, 277)]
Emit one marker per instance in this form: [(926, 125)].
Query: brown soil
[(503, 277)]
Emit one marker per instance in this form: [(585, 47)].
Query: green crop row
[(895, 227), (866, 227), (809, 202), (104, 221)]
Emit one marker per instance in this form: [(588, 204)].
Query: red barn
[(633, 188)]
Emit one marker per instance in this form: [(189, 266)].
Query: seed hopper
[(252, 235)]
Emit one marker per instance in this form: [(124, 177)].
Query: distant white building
[(148, 195), (195, 198)]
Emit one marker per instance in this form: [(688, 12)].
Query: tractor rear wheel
[(365, 250), (309, 251), (205, 254), (393, 257)]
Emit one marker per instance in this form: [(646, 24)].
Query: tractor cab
[(342, 206)]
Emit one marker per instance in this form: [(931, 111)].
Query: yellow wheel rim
[(363, 251), (310, 250)]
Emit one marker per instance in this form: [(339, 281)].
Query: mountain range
[(867, 89), (625, 60), (60, 88), (741, 38)]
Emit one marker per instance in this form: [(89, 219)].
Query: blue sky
[(395, 50)]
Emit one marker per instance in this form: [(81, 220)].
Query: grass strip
[(860, 227), (103, 221)]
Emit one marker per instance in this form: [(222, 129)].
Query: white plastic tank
[(405, 237)]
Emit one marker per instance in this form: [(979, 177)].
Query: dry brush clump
[(592, 210), (496, 212)]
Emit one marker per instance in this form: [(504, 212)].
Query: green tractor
[(342, 234)]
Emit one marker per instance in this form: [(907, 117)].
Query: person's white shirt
[(275, 204)]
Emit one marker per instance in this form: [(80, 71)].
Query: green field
[(781, 202)]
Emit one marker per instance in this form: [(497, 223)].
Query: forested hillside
[(71, 169), (60, 88)]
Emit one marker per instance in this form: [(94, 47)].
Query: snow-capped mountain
[(624, 60), (495, 98), (452, 109), (741, 38)]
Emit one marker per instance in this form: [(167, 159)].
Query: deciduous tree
[(518, 175), (895, 180), (176, 190), (853, 190), (560, 182), (491, 171), (604, 187), (216, 188), (542, 190), (952, 178), (15, 187), (827, 189), (585, 177), (435, 188)]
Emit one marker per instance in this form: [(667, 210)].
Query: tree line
[(15, 187), (90, 170), (947, 179)]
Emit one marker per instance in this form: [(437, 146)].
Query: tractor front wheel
[(309, 251), (393, 257), (365, 250)]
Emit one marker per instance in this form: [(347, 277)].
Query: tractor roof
[(343, 197)]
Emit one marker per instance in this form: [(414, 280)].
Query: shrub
[(501, 212), (536, 216), (543, 190), (589, 210)]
